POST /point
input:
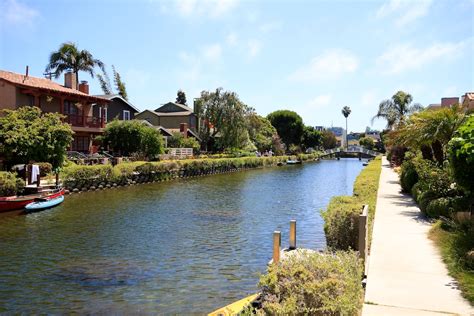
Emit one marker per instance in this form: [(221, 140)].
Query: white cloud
[(368, 98), (254, 46), (14, 12), (404, 11), (405, 57), (199, 8), (329, 65), (270, 27), (320, 101), (212, 52), (231, 39)]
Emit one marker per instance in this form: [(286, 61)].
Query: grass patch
[(454, 245), (341, 215)]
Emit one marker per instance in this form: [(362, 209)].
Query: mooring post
[(38, 180), (276, 246), (363, 235), (57, 178), (293, 234)]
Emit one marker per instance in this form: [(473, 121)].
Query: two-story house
[(118, 108), (172, 117), (77, 105)]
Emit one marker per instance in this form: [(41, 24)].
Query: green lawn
[(454, 244)]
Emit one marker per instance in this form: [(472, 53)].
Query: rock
[(92, 188), (84, 189), (101, 186), (75, 190)]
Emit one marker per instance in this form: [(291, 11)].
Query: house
[(170, 115), (448, 102), (172, 118), (76, 104), (118, 108), (468, 100)]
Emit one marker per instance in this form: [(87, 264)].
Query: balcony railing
[(84, 121)]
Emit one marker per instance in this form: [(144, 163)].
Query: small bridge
[(351, 149)]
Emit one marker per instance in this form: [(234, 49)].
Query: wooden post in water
[(276, 246), (292, 234), (38, 180), (57, 178)]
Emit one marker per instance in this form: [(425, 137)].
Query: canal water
[(185, 246)]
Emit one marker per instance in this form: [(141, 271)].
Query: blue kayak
[(41, 204)]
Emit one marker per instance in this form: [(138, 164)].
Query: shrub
[(438, 207), (341, 216), (416, 191), (461, 155), (10, 184), (45, 168), (408, 176), (313, 284), (341, 222), (425, 198)]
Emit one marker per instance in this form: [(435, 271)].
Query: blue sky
[(313, 57)]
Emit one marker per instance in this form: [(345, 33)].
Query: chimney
[(70, 80), (183, 128), (84, 87)]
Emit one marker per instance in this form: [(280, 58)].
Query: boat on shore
[(43, 204), (294, 162), (11, 203)]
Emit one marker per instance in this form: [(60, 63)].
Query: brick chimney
[(70, 80), (183, 129), (84, 87)]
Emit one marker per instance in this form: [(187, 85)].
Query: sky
[(312, 57)]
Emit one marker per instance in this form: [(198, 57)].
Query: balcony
[(85, 121)]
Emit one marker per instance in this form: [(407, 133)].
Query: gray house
[(118, 108)]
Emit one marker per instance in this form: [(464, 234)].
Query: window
[(81, 144), (105, 115), (126, 115), (70, 108)]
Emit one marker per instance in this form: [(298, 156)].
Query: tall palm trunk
[(347, 144)]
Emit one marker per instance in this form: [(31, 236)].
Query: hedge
[(342, 213), (99, 176)]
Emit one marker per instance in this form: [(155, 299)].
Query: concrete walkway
[(406, 275)]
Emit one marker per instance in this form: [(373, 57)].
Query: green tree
[(119, 84), (223, 119), (133, 137), (177, 140), (366, 142), (395, 109), (461, 155), (181, 97), (346, 111), (27, 134), (311, 137), (328, 139), (429, 130), (69, 57), (261, 131), (289, 126), (106, 86)]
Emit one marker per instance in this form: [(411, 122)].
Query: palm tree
[(68, 57), (395, 109), (346, 111)]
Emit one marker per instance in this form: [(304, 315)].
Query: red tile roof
[(43, 84)]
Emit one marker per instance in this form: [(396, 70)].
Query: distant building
[(468, 100), (448, 102), (337, 131), (319, 128)]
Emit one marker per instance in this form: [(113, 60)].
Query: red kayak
[(11, 203)]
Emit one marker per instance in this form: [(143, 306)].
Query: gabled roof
[(184, 113), (190, 132), (181, 106), (117, 96), (159, 128), (43, 84)]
